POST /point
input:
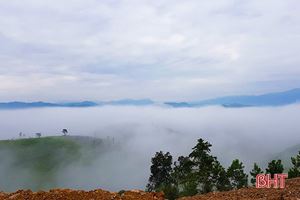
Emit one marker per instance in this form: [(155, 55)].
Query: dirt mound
[(290, 192), (66, 194)]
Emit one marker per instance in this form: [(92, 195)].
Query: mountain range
[(269, 99)]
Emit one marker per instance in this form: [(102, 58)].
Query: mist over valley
[(130, 136)]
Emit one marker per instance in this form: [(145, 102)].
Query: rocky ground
[(291, 192)]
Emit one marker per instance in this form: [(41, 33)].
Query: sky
[(55, 50)]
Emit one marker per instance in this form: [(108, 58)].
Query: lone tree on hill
[(295, 170), (274, 167), (254, 172), (38, 135), (237, 177), (64, 131)]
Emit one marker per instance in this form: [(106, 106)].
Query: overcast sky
[(164, 50)]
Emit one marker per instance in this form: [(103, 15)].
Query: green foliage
[(295, 170), (161, 170), (161, 178), (200, 172), (121, 192), (254, 172), (236, 175), (274, 167), (170, 190), (203, 164), (40, 159), (184, 177), (189, 188), (220, 179)]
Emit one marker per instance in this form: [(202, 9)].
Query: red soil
[(290, 192)]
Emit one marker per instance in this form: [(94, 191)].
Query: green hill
[(286, 155), (33, 163)]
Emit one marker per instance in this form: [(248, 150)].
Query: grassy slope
[(41, 158), (286, 155)]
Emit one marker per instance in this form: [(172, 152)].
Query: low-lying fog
[(250, 134)]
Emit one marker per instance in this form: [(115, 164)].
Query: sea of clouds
[(250, 134)]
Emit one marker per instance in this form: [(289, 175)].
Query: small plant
[(65, 132), (121, 192)]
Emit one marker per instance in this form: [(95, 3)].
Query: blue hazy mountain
[(40, 104), (270, 99), (79, 104), (17, 105), (178, 104), (133, 102)]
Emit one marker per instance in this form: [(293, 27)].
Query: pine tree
[(203, 165), (254, 172), (161, 170), (236, 175), (220, 179), (295, 170), (274, 167), (184, 177)]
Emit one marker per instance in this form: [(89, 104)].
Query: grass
[(42, 158)]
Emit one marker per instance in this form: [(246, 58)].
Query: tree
[(254, 172), (184, 178), (38, 135), (64, 131), (295, 170), (203, 166), (170, 190), (236, 175), (274, 167), (161, 170), (220, 179)]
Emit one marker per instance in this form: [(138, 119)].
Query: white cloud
[(140, 42)]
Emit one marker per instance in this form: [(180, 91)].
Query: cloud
[(250, 134), (142, 42)]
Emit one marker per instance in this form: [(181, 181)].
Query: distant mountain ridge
[(40, 104), (269, 99)]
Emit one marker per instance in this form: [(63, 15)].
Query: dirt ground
[(66, 194), (291, 192)]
